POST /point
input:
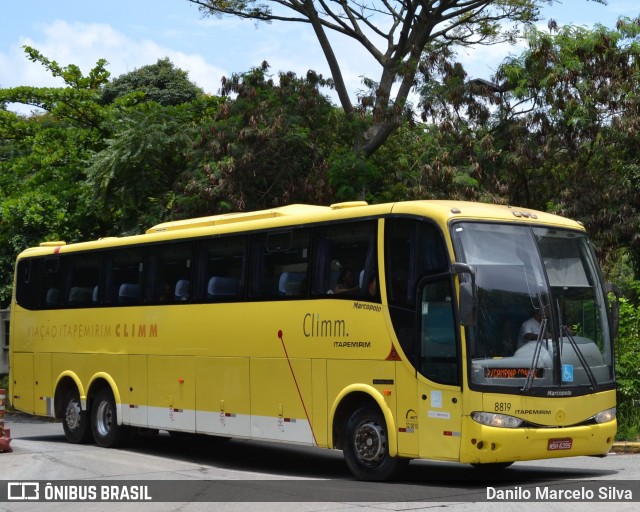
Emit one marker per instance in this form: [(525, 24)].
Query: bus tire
[(366, 449), (104, 422), (75, 421)]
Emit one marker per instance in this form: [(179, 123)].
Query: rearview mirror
[(468, 301), (614, 307)]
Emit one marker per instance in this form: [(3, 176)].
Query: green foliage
[(628, 370), (131, 181), (161, 83), (351, 175), (396, 34), (421, 162), (42, 161), (557, 131), (134, 152), (76, 102), (568, 119), (266, 147)]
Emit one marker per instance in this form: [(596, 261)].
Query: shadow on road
[(303, 462), (281, 472)]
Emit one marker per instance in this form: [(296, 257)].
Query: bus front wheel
[(106, 431), (366, 448), (75, 421)]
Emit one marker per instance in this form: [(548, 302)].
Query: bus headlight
[(496, 420), (604, 416)]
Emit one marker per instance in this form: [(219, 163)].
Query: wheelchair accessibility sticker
[(567, 373)]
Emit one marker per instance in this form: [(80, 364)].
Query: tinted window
[(27, 281), (83, 276), (345, 260), (53, 283), (123, 277), (438, 349), (168, 274), (222, 269), (279, 264), (413, 249)]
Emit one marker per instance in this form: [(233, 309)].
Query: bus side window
[(344, 262), (53, 283), (413, 249), (83, 275), (280, 261), (438, 349), (123, 276), (28, 282), (221, 264), (168, 274)]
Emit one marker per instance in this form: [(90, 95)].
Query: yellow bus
[(441, 330)]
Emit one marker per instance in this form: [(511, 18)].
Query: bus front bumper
[(482, 444)]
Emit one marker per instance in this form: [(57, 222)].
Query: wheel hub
[(370, 442), (104, 418), (72, 415)]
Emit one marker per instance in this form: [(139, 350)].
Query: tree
[(569, 116), (131, 181), (76, 102), (421, 161), (266, 147), (161, 82), (154, 115), (396, 33), (42, 162)]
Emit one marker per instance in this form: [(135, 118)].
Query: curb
[(625, 447)]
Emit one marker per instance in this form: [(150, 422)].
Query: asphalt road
[(201, 473)]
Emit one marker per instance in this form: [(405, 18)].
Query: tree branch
[(394, 32)]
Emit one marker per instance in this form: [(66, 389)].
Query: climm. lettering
[(136, 330), (314, 327)]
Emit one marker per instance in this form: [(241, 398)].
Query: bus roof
[(229, 218), (442, 211), (435, 208)]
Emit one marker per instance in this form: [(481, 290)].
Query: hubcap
[(370, 442), (72, 415), (104, 418)]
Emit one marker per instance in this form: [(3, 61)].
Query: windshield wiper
[(564, 330), (567, 333), (536, 356)]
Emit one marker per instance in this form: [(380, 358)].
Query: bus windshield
[(541, 324)]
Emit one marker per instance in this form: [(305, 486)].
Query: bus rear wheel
[(75, 421), (104, 422), (366, 448)]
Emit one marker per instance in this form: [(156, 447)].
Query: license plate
[(560, 444)]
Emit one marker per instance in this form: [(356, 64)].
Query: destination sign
[(512, 373)]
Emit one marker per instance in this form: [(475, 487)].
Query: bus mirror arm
[(468, 300)]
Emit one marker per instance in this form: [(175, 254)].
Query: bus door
[(438, 365)]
